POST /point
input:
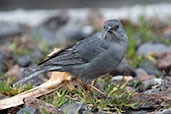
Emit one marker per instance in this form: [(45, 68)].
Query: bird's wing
[(80, 53)]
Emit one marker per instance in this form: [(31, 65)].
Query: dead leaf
[(51, 85)]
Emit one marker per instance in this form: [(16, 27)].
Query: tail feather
[(36, 73)]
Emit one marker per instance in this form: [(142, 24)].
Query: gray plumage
[(91, 57)]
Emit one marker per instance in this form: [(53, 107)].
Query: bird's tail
[(35, 73)]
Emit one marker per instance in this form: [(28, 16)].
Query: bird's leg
[(89, 86)]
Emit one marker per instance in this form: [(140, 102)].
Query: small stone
[(25, 61), (147, 64), (153, 71), (149, 47), (10, 29), (16, 71), (142, 75), (139, 112), (73, 108), (49, 31), (78, 34), (164, 62), (140, 72), (102, 112), (27, 110), (148, 84), (120, 77), (3, 65), (165, 111), (87, 112)]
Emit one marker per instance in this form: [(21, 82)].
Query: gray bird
[(90, 58)]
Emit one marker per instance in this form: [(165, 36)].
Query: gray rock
[(3, 66), (164, 85), (87, 112), (150, 67), (24, 61), (60, 31), (138, 112), (146, 48), (9, 30), (73, 36), (74, 108), (27, 110), (148, 84), (37, 54), (165, 111), (48, 31), (147, 64), (164, 62), (101, 112), (153, 72), (142, 75), (45, 34)]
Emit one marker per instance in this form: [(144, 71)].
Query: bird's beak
[(110, 29)]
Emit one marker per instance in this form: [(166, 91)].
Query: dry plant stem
[(51, 85), (102, 93)]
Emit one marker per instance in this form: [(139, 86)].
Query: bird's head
[(114, 31)]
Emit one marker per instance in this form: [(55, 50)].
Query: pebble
[(25, 61), (148, 84), (73, 108), (3, 65), (9, 30), (142, 75), (149, 47), (27, 110), (164, 62)]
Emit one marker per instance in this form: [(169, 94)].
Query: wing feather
[(80, 53)]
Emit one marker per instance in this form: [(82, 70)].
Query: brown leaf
[(54, 83)]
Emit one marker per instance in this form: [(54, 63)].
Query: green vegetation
[(7, 90), (139, 33), (119, 97), (19, 47)]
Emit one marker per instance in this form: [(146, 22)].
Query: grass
[(131, 54), (117, 92), (7, 90), (19, 47), (119, 97), (145, 31)]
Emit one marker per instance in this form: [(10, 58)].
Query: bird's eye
[(117, 26)]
